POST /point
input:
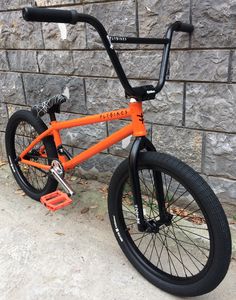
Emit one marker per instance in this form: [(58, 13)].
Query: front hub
[(154, 226)]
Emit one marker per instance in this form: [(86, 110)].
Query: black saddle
[(51, 105)]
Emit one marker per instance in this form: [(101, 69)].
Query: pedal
[(56, 200)]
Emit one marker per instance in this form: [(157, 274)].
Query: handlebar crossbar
[(141, 93)]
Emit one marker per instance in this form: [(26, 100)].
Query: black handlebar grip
[(184, 27), (49, 15)]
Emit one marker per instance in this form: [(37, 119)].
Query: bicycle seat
[(51, 105)]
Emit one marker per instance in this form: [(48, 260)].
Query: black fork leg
[(139, 144)]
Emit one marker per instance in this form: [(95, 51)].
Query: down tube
[(104, 144)]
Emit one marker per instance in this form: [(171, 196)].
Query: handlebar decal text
[(118, 38), (109, 40)]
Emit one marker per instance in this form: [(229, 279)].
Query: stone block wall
[(194, 115)]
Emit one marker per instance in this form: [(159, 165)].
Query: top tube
[(140, 93)]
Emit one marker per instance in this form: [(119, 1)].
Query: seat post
[(52, 116)]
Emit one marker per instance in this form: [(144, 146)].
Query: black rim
[(180, 250), (32, 178)]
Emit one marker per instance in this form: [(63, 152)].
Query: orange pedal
[(55, 200)]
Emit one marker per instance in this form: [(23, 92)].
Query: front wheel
[(187, 256)]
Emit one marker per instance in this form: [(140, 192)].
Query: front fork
[(139, 144)]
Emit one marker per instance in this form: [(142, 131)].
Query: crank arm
[(63, 182), (58, 173)]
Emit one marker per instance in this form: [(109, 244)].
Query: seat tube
[(58, 142)]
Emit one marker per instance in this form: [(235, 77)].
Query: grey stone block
[(205, 65), (91, 1), (3, 155), (11, 88), (15, 4), (211, 106), (95, 63), (183, 143), (225, 189), (214, 23), (99, 164), (55, 62), (220, 158), (141, 64), (39, 88), (123, 147), (167, 108), (19, 34), (84, 136), (53, 2), (65, 36), (21, 60), (108, 94), (12, 108), (3, 61), (3, 116), (233, 71), (104, 95), (123, 12), (155, 16)]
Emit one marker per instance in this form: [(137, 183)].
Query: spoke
[(128, 210), (152, 197), (190, 244), (170, 256), (145, 184), (147, 246), (164, 175), (179, 253), (130, 219), (193, 241), (191, 213), (177, 199), (131, 233), (167, 192), (162, 247), (146, 192), (167, 250), (173, 195), (193, 227), (186, 208), (176, 257), (152, 248), (152, 204), (157, 252), (190, 255), (141, 238), (131, 224), (202, 236)]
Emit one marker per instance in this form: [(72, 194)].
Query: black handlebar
[(184, 27), (72, 17), (49, 15)]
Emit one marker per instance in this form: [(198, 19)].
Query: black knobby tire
[(188, 257), (22, 128)]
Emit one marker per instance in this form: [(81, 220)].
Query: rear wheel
[(22, 129), (189, 254)]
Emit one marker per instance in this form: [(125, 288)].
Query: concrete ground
[(70, 254)]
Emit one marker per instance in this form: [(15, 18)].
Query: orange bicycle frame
[(135, 128)]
